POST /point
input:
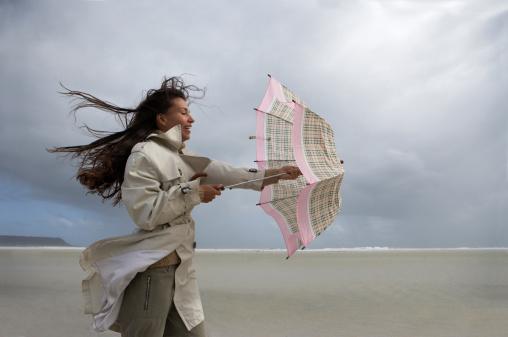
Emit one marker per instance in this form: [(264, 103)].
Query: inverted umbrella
[(289, 133)]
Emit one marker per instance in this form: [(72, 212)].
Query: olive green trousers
[(147, 308)]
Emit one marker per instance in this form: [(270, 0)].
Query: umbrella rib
[(268, 202), (271, 114), (255, 137)]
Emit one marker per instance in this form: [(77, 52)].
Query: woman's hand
[(291, 172), (208, 192)]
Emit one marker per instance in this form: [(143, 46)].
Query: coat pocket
[(147, 292)]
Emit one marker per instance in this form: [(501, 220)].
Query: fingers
[(209, 192), (291, 172), (215, 188), (296, 172), (219, 187)]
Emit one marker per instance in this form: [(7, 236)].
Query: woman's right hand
[(208, 192)]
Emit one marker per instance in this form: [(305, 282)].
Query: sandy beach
[(357, 293)]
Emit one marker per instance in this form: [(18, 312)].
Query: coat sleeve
[(219, 172), (147, 203)]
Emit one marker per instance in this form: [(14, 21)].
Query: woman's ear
[(161, 121)]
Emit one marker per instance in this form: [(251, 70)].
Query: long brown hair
[(102, 162)]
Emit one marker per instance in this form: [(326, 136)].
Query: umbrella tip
[(269, 75)]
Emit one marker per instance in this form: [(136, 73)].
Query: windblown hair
[(102, 162)]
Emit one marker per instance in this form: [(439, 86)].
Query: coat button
[(185, 189)]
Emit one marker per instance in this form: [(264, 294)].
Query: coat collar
[(172, 137)]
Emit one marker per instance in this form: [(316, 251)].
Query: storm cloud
[(415, 92)]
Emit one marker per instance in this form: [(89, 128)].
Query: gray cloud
[(415, 92)]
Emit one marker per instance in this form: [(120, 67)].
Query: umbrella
[(289, 133)]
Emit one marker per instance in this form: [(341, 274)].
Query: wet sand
[(260, 294)]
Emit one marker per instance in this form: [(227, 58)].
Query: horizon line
[(367, 248)]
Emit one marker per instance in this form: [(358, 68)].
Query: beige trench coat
[(159, 198)]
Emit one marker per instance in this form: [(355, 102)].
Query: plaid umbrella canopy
[(289, 133)]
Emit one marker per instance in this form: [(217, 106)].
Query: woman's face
[(178, 113)]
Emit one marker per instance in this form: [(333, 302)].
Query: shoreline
[(278, 250)]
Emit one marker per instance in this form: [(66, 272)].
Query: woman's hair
[(102, 162)]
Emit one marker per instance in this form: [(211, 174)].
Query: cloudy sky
[(414, 90)]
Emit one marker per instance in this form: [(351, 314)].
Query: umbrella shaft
[(249, 181)]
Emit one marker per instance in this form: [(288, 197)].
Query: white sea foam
[(277, 250), (353, 249), (41, 247)]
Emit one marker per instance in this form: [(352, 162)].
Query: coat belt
[(178, 221)]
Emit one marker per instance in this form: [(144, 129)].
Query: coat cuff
[(259, 174)]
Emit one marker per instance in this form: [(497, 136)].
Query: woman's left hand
[(272, 175), (291, 172)]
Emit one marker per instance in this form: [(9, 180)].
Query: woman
[(144, 284)]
